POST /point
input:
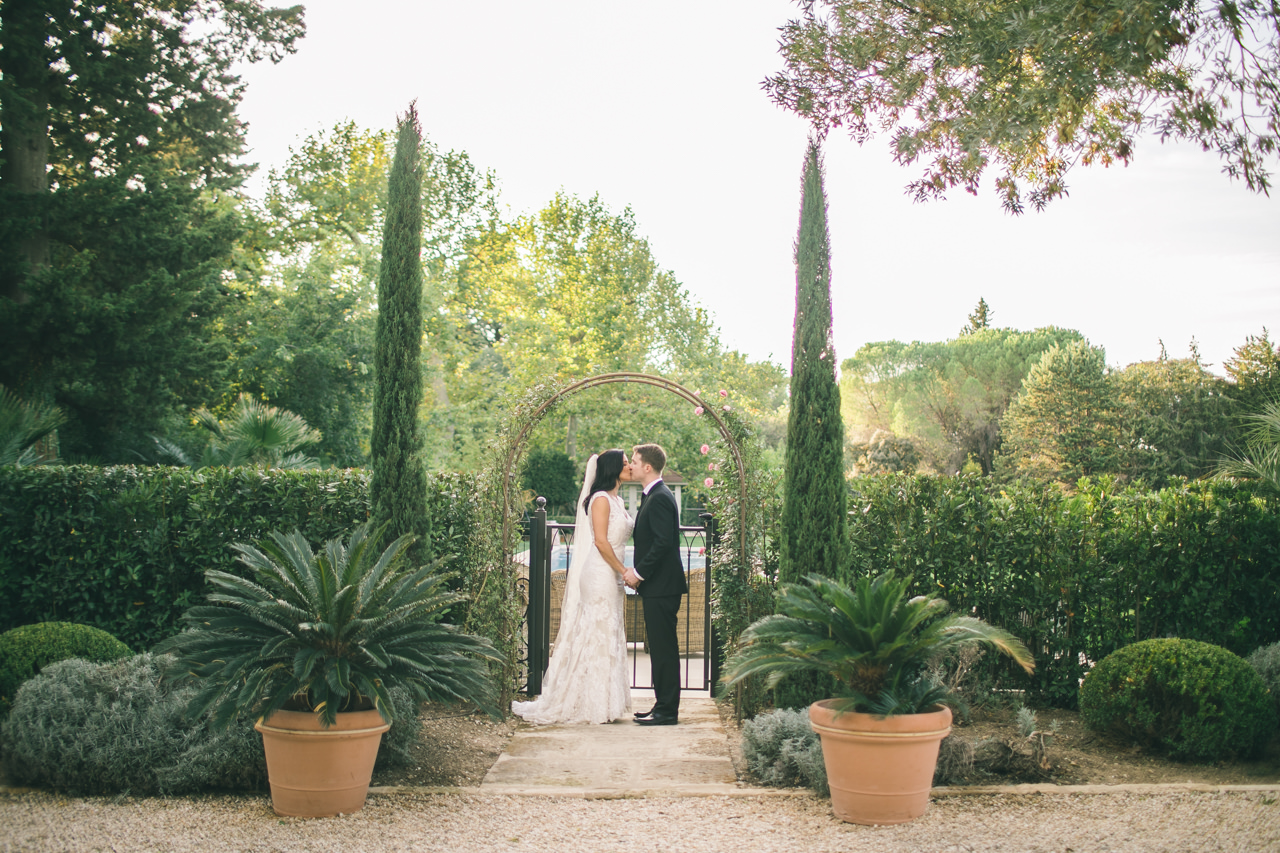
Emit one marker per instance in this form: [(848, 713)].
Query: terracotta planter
[(880, 768), (318, 772)]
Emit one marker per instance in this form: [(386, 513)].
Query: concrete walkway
[(622, 759)]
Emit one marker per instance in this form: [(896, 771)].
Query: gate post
[(539, 609), (714, 651)]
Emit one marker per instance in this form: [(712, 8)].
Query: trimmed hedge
[(124, 549), (1077, 577), (27, 649), (1193, 700)]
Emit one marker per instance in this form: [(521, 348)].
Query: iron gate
[(550, 549)]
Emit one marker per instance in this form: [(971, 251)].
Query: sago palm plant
[(327, 631), (872, 639), (1261, 458), (23, 425), (253, 434)]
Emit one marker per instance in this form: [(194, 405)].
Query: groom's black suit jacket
[(657, 538)]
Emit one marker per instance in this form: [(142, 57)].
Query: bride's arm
[(600, 528)]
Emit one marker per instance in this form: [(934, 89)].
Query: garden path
[(621, 759)]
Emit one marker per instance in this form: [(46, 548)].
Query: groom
[(659, 578)]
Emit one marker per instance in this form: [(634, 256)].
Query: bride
[(586, 681)]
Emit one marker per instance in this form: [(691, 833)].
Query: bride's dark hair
[(608, 470)]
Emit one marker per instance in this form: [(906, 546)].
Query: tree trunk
[(24, 134), (571, 438)]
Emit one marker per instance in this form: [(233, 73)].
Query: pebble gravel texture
[(1248, 822)]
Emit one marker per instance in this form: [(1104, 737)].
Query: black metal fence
[(550, 552)]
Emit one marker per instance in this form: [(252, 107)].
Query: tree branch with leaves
[(1034, 88)]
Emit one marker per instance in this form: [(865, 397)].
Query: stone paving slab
[(620, 759)]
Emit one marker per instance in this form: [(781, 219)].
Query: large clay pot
[(880, 768), (319, 772)]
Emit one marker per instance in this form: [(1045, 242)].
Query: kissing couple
[(587, 680)]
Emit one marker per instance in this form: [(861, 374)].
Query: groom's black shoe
[(658, 719), (643, 715)]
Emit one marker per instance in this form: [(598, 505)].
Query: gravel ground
[(1246, 822)]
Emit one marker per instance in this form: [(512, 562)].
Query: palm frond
[(327, 628), (23, 425), (870, 637)]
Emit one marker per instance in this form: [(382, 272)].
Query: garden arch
[(515, 447)]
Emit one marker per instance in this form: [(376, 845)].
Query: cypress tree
[(398, 490), (813, 520)]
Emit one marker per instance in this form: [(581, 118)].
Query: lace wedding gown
[(586, 681)]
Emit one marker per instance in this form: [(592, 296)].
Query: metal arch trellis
[(517, 445)]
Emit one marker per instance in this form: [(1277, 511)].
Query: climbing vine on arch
[(738, 498)]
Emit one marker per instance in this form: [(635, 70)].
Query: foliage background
[(1078, 576), (1074, 576), (124, 549)]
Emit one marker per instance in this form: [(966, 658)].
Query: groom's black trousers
[(664, 651)]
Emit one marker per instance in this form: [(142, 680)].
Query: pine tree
[(979, 319), (1255, 370), (398, 490), (1062, 426), (813, 520)]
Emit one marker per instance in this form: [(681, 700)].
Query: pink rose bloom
[(724, 393), (701, 551), (698, 411), (726, 408), (706, 448), (708, 482), (711, 466)]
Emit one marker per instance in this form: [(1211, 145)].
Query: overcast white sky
[(658, 106)]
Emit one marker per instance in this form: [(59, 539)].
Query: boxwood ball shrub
[(27, 649), (1192, 700)]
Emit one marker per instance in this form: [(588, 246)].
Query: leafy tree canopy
[(550, 473), (1174, 419), (1255, 370), (319, 247), (120, 154), (946, 397), (1035, 87), (1062, 424), (571, 291)]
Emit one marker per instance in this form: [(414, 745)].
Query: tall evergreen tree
[(1255, 370), (398, 490), (1062, 426), (979, 319), (813, 521), (120, 155)]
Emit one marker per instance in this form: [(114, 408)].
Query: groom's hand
[(631, 579)]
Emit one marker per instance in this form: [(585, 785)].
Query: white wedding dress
[(587, 679)]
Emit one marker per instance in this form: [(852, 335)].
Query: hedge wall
[(124, 549), (1078, 576)]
